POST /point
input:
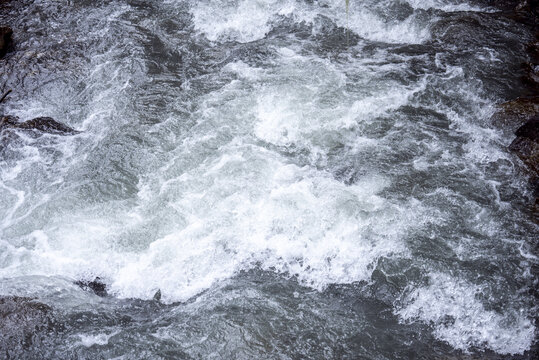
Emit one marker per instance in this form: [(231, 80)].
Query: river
[(297, 181)]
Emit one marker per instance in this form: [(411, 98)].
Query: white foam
[(452, 307), (368, 26), (243, 70), (101, 339), (246, 20), (448, 6), (247, 207), (243, 21)]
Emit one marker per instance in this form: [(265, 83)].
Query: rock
[(533, 50), (24, 324), (526, 145), (527, 6), (48, 125), (43, 124), (157, 296), (96, 286), (5, 95), (5, 39), (528, 151), (530, 129), (531, 79), (8, 121), (512, 114)]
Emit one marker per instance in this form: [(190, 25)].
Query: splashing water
[(294, 184)]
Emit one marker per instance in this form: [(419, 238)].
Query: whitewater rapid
[(223, 137)]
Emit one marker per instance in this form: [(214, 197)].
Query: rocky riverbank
[(521, 115)]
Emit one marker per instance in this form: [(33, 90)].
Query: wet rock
[(532, 75), (527, 6), (8, 121), (460, 29), (528, 151), (523, 10), (533, 50), (42, 124), (157, 295), (24, 324), (530, 129), (5, 95), (48, 125), (97, 286), (5, 39), (526, 145), (512, 114)]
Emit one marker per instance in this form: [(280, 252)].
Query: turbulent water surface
[(293, 188)]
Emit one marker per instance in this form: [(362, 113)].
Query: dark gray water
[(294, 189)]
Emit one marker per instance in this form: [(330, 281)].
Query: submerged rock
[(24, 323), (5, 39), (97, 286), (43, 124)]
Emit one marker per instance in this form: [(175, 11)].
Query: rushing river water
[(294, 190)]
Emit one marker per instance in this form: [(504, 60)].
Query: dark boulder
[(512, 114), (157, 295), (526, 145), (5, 39), (531, 77), (8, 121), (48, 125), (528, 151), (529, 6), (97, 286), (41, 124), (530, 129), (5, 95)]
